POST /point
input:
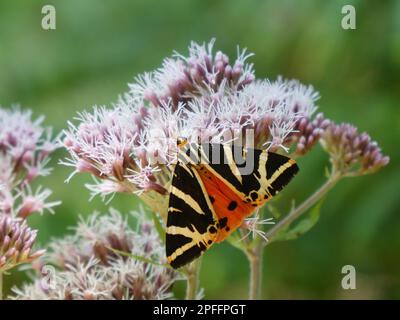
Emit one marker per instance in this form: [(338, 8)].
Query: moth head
[(181, 141)]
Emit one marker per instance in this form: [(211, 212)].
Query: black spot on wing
[(222, 222), (253, 195), (212, 229), (232, 205)]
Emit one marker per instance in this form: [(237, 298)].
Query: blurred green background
[(98, 48)]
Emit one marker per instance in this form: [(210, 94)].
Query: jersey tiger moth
[(213, 191)]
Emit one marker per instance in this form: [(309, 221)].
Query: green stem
[(255, 257), (192, 279), (304, 207), (254, 250), (1, 285)]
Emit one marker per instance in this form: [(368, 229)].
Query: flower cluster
[(350, 152), (130, 147), (91, 264), (25, 147), (16, 241), (181, 77)]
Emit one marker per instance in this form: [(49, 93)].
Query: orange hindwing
[(228, 206)]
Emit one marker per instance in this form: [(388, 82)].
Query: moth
[(214, 188)]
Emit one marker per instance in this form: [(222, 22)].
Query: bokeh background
[(99, 47)]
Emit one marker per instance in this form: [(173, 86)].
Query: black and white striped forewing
[(191, 222), (250, 173)]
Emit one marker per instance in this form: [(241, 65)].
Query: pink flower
[(199, 96), (98, 261), (25, 147), (16, 242), (352, 153)]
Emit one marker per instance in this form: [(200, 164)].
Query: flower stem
[(192, 279), (307, 204), (1, 285), (255, 257), (254, 250)]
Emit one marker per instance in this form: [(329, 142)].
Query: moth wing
[(254, 175), (280, 170), (192, 225)]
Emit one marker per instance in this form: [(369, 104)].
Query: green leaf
[(302, 226)]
